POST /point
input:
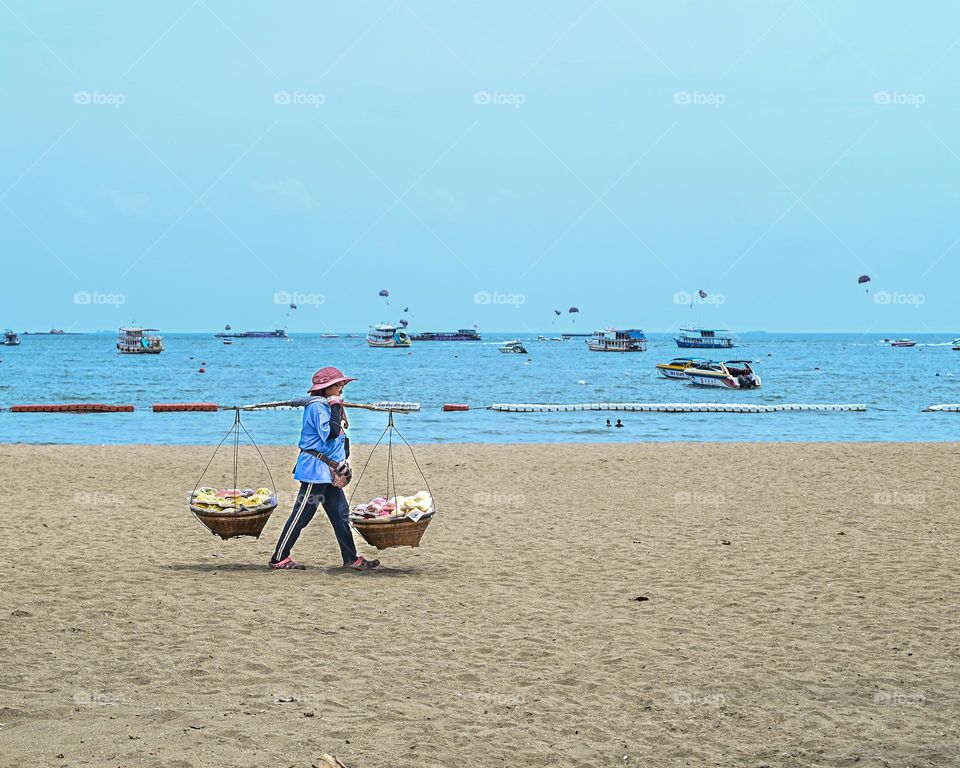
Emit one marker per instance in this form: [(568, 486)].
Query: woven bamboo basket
[(385, 533), (229, 524)]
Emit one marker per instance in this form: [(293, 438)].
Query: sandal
[(287, 564), (362, 564)]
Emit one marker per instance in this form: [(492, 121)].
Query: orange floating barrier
[(168, 407), (72, 408), (456, 407)]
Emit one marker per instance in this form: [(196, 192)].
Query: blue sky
[(193, 163)]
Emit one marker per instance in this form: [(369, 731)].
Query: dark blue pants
[(334, 502)]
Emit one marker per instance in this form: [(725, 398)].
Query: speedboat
[(675, 368), (515, 346), (733, 374), (10, 339), (956, 345), (903, 343)]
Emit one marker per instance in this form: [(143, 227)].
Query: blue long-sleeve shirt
[(315, 436)]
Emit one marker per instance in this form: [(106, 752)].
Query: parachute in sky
[(702, 293), (226, 327), (293, 306), (573, 310), (404, 323), (862, 280), (557, 312), (384, 292), (406, 309)]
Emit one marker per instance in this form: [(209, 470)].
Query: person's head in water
[(619, 423), (608, 423)]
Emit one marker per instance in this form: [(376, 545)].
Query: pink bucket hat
[(327, 377)]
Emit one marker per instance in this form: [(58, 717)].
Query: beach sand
[(802, 609)]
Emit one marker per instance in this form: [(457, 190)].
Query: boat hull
[(704, 343), (720, 381), (672, 373), (636, 347), (388, 344)]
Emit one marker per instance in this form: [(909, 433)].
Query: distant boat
[(135, 341), (956, 345), (10, 339), (701, 338), (388, 337), (576, 335), (516, 347), (329, 335), (903, 343), (733, 374), (277, 334), (228, 341), (612, 340), (464, 334)]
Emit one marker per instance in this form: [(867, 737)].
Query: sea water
[(894, 383)]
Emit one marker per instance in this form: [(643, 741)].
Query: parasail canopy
[(863, 279), (702, 293), (572, 310)]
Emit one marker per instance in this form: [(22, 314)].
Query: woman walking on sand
[(323, 433)]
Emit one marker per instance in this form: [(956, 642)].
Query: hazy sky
[(192, 163)]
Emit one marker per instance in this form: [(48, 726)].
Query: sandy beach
[(802, 609)]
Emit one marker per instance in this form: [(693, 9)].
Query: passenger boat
[(388, 336), (612, 340), (277, 334), (699, 338), (675, 368), (733, 374), (136, 341), (464, 334), (10, 339), (903, 343), (515, 346)]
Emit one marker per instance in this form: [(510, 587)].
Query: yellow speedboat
[(675, 368)]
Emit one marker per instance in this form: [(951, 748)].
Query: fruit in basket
[(228, 499)]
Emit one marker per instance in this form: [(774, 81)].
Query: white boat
[(388, 336), (136, 341), (10, 339), (903, 343), (612, 340), (733, 374), (702, 338), (516, 347)]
